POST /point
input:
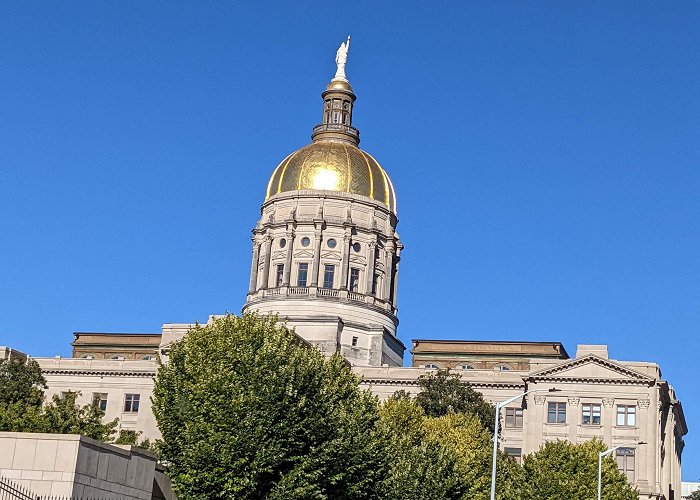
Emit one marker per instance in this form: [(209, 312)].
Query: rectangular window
[(514, 418), (302, 274), (354, 341), (328, 274), (131, 403), (515, 453), (279, 275), (626, 416), (556, 413), (590, 414), (354, 279), (625, 462), (99, 399)]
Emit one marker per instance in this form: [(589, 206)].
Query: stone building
[(325, 257)]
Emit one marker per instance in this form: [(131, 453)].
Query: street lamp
[(495, 432), (606, 453)]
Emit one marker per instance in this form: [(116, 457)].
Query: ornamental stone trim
[(643, 403), (608, 402), (573, 401), (539, 399)]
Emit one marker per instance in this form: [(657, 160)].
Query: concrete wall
[(72, 465)]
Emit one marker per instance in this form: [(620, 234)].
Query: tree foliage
[(21, 382), (564, 471), (419, 466), (444, 392), (472, 445), (695, 495), (21, 410), (247, 410)]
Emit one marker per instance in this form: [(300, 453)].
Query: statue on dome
[(341, 58)]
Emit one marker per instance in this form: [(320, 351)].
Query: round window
[(357, 247), (283, 243), (305, 242), (331, 243)]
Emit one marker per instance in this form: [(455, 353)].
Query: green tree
[(21, 382), (64, 416), (248, 410), (445, 392), (420, 467), (564, 471), (463, 434), (21, 398), (695, 495)]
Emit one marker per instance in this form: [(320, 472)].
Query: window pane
[(631, 415), (328, 274), (301, 275), (354, 279), (279, 276)]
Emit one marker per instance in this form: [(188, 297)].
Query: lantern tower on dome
[(325, 250)]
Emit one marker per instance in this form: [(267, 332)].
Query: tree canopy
[(248, 410), (564, 471), (444, 392), (21, 410)]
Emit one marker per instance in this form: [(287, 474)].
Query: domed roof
[(333, 166)]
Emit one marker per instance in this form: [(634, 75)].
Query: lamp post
[(606, 453), (495, 432)]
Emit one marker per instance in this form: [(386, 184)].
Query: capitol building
[(326, 258)]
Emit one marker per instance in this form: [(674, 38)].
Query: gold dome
[(333, 166)]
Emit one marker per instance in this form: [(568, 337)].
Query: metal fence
[(12, 491)]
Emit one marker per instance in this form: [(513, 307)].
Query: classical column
[(317, 258), (288, 261), (388, 284), (395, 279), (572, 418), (266, 268), (253, 286), (608, 419), (347, 241), (645, 453), (371, 259)]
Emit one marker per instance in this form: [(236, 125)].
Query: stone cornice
[(99, 373)]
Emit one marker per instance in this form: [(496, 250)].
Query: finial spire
[(341, 57)]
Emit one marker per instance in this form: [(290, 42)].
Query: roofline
[(117, 333), (503, 342)]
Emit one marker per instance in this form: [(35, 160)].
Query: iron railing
[(12, 491)]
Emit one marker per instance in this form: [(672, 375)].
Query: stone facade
[(76, 466)]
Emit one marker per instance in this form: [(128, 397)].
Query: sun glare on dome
[(325, 179)]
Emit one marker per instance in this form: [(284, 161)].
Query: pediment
[(304, 254), (358, 259), (330, 255), (592, 368), (281, 254)]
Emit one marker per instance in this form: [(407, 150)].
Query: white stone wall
[(71, 465), (116, 378)]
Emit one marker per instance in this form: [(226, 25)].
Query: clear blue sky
[(545, 157)]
